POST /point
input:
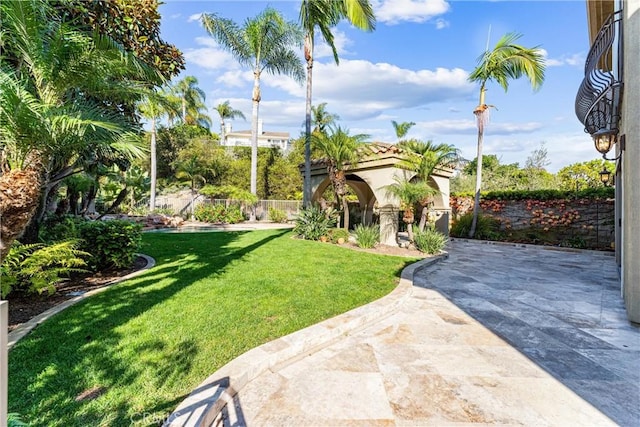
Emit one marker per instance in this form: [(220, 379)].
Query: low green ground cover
[(132, 353)]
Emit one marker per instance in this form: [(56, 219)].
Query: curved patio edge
[(205, 403), (19, 332)]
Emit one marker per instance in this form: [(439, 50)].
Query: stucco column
[(389, 225)]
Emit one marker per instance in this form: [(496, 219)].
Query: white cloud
[(340, 41), (194, 17), (235, 78), (441, 23), (454, 110), (396, 11), (210, 56), (468, 127), (572, 60), (175, 16)]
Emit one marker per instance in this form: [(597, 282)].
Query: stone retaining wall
[(581, 223)]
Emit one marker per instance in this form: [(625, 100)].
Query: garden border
[(22, 330), (205, 403)]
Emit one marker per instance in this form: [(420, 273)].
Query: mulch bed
[(23, 307)]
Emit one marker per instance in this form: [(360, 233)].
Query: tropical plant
[(225, 111), (63, 102), (487, 228), (322, 118), (430, 241), (402, 129), (340, 151), (505, 61), (38, 267), (191, 170), (191, 99), (323, 15), (263, 43), (409, 193), (367, 235), (219, 213), (424, 158), (156, 105), (313, 222)]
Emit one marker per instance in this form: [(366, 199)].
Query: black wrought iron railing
[(600, 94)]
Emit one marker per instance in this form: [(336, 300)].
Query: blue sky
[(413, 67)]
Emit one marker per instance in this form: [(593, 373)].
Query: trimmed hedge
[(587, 193)]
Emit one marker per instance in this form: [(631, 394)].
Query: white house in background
[(242, 138)]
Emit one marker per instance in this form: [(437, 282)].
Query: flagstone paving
[(496, 334)]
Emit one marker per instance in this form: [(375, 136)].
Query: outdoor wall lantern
[(604, 139), (605, 176)]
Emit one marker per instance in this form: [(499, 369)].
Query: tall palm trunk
[(184, 110), (254, 139), (20, 194), (308, 54), (154, 166), (223, 132), (481, 117)]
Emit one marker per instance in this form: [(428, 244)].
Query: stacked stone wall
[(580, 223)]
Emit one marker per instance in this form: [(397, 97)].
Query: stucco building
[(608, 104), (242, 138)]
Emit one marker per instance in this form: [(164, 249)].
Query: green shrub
[(336, 234), (38, 267), (487, 228), (367, 235), (111, 243), (430, 241), (587, 193), (278, 215), (60, 227), (313, 223), (218, 213)]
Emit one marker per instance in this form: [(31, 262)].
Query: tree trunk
[(154, 166), (480, 113), (20, 193), (254, 139), (410, 231), (119, 199), (345, 208), (308, 51), (423, 218)]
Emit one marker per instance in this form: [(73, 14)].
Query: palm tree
[(155, 106), (340, 151), (409, 194), (505, 61), (263, 43), (402, 128), (226, 112), (322, 118), (323, 15), (424, 158), (191, 99), (52, 121)]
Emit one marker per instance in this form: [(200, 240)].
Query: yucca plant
[(367, 235), (430, 241), (313, 223)]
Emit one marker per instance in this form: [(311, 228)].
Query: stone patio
[(496, 334)]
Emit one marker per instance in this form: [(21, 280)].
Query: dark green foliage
[(60, 227), (111, 243), (487, 228), (430, 241), (587, 193), (336, 234), (313, 223), (219, 213), (367, 235), (278, 215), (37, 268)]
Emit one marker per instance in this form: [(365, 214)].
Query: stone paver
[(496, 334)]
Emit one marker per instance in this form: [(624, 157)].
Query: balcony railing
[(598, 99)]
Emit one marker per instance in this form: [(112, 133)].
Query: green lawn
[(146, 343)]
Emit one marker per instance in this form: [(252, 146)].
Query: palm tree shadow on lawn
[(86, 337)]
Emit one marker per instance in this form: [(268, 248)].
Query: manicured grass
[(144, 344)]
